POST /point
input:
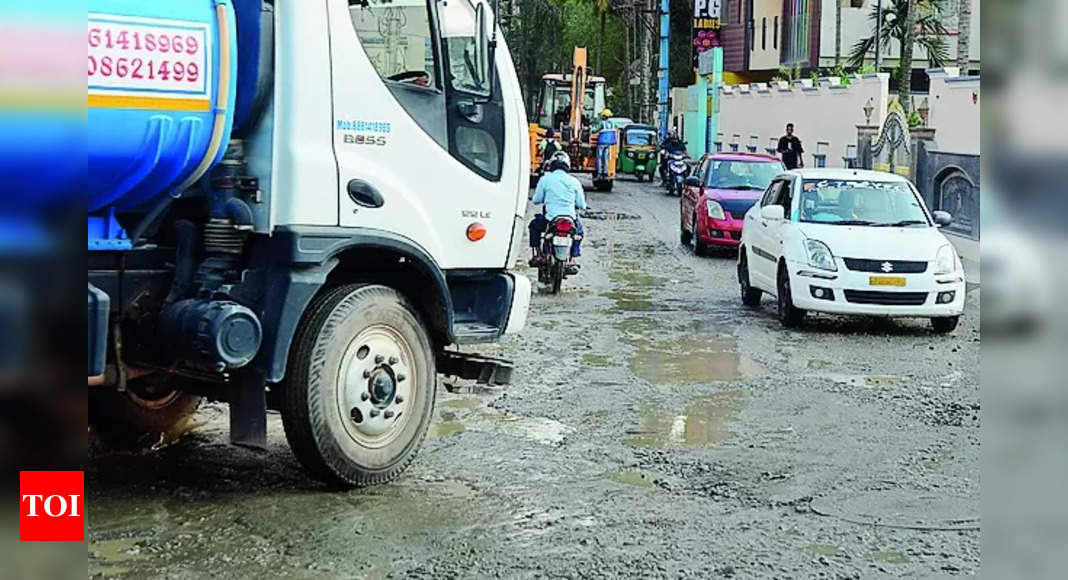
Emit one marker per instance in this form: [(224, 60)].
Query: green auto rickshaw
[(637, 151)]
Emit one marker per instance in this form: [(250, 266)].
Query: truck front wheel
[(360, 387)]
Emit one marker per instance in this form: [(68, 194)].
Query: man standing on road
[(791, 150)]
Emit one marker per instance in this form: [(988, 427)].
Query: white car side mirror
[(942, 218), (773, 212)]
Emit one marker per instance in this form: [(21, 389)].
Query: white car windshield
[(860, 202), (742, 175)]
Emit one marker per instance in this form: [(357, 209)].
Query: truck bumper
[(517, 314)]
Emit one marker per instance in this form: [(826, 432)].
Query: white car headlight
[(820, 256), (945, 260), (715, 210)]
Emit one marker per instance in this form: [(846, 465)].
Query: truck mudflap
[(99, 306), (483, 369)]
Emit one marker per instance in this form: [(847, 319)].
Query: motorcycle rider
[(549, 146), (669, 145), (562, 195)]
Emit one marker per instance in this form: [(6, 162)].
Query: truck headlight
[(945, 260), (715, 210), (820, 256)]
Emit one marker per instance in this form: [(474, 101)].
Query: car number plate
[(886, 280), (561, 241)]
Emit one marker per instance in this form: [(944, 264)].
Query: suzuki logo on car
[(886, 267)]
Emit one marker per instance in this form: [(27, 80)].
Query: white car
[(847, 241)]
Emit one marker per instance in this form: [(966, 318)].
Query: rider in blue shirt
[(562, 195)]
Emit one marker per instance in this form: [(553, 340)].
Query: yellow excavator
[(571, 104)]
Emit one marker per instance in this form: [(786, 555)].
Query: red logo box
[(52, 506)]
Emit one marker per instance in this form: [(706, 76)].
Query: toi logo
[(52, 506)]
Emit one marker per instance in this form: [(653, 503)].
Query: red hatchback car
[(714, 201)]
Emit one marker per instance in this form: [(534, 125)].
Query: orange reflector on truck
[(476, 232)]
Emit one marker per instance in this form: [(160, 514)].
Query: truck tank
[(162, 88)]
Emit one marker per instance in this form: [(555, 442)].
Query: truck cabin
[(554, 103)]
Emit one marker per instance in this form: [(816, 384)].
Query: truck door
[(419, 136)]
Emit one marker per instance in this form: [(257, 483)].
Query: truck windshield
[(731, 174), (397, 39), (554, 107), (861, 202)]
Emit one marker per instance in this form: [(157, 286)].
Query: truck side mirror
[(486, 39), (481, 43), (469, 36)]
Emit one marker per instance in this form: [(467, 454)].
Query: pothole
[(462, 414), (690, 360), (865, 381), (609, 215), (634, 477), (902, 509), (703, 422)]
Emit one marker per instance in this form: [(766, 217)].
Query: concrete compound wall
[(828, 112), (954, 110), (679, 107)]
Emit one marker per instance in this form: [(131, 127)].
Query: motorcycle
[(678, 171), (556, 244)]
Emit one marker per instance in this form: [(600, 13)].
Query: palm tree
[(964, 35), (838, 32), (926, 31), (601, 8)]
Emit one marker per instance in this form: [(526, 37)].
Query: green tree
[(911, 23)]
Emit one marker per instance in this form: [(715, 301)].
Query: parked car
[(715, 198), (848, 241)]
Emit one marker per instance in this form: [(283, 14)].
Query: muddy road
[(656, 429)]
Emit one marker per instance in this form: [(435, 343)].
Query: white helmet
[(560, 160)]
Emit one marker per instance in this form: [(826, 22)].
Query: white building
[(857, 25)]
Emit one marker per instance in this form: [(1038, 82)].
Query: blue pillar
[(715, 81), (662, 89)]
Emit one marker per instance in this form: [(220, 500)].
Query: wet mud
[(656, 429)]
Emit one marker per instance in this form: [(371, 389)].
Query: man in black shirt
[(790, 147)]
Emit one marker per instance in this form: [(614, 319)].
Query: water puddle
[(889, 557), (462, 414), (633, 477), (820, 550), (627, 301), (597, 360), (632, 289), (445, 429), (704, 422), (110, 557), (636, 325), (540, 429), (690, 360)]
